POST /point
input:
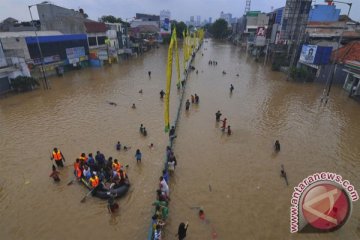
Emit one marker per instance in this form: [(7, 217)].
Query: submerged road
[(235, 179)]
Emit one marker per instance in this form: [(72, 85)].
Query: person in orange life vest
[(58, 156), (94, 181), (83, 158), (77, 169), (116, 165), (55, 174)]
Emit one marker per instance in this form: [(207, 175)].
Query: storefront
[(352, 81)]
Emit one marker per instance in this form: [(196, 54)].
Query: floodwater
[(235, 179)]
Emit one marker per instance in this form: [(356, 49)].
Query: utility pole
[(247, 6), (45, 85), (334, 63)]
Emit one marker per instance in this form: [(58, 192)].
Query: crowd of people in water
[(98, 173), (163, 194), (194, 100)]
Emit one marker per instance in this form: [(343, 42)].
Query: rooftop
[(28, 34), (349, 52), (95, 27)]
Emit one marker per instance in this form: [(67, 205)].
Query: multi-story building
[(324, 13), (56, 18), (147, 17), (10, 67), (192, 20), (198, 21), (227, 17)]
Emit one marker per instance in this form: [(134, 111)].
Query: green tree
[(180, 27), (110, 19), (219, 29)]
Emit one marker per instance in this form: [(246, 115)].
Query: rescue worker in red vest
[(83, 158), (94, 181), (77, 169), (116, 165), (58, 156)]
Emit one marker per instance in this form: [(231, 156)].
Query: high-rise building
[(227, 17), (192, 20), (210, 20), (198, 21)]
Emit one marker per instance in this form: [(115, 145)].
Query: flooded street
[(236, 179)]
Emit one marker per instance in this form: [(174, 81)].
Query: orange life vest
[(94, 181), (78, 172), (117, 166), (57, 156), (76, 165), (83, 159)]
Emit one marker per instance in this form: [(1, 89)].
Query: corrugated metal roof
[(28, 34), (350, 52)]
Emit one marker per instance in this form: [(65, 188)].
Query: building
[(227, 17), (147, 17), (210, 20), (10, 67), (59, 52), (255, 19), (352, 80), (192, 20), (198, 21), (295, 17), (117, 37), (55, 18), (274, 26), (98, 48), (348, 68), (165, 24), (324, 13), (13, 25)]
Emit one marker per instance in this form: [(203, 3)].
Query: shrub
[(24, 83)]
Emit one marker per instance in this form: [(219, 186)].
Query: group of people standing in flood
[(194, 100), (218, 115)]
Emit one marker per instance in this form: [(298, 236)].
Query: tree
[(110, 19), (219, 29), (180, 27)]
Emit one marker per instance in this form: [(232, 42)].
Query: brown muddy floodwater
[(248, 199)]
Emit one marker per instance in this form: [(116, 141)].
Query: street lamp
[(336, 53), (46, 86)]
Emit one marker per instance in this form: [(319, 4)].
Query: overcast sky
[(180, 9)]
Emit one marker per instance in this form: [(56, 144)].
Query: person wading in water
[(58, 156)]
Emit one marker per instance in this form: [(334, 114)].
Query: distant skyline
[(180, 10)]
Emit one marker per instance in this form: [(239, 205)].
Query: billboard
[(308, 53), (165, 26), (313, 54), (75, 52), (261, 31)]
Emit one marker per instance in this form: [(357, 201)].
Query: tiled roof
[(349, 52), (95, 27)]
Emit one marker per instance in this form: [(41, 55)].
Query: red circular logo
[(326, 207)]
